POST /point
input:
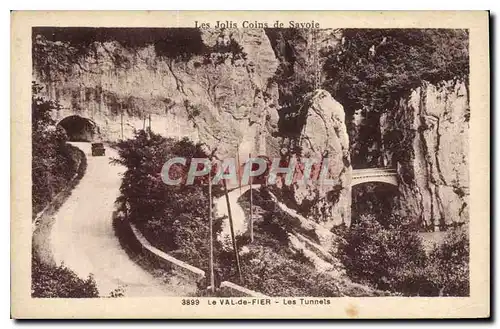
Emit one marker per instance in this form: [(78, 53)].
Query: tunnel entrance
[(79, 129), (376, 200)]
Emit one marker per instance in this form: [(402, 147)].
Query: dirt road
[(83, 238)]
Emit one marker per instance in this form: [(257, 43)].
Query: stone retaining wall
[(178, 265), (185, 268)]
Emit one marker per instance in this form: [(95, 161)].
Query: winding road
[(240, 222), (83, 239)]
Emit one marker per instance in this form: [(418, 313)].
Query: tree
[(400, 60), (172, 217)]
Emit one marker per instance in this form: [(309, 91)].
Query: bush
[(52, 282), (382, 257), (449, 264), (277, 274), (394, 259)]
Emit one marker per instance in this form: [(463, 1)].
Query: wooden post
[(235, 247), (211, 236), (251, 201), (121, 117), (238, 166)]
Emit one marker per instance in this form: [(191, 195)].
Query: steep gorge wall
[(219, 96), (427, 140)]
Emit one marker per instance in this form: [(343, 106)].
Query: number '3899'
[(190, 302)]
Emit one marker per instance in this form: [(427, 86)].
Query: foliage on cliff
[(375, 67), (179, 43)]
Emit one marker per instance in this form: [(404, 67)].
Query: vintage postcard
[(250, 165)]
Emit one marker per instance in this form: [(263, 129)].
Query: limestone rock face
[(428, 140), (219, 96), (324, 135), (221, 92)]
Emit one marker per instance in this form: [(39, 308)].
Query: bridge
[(359, 176), (381, 175)]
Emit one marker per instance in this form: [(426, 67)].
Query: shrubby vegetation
[(393, 258), (58, 281), (173, 218), (281, 273), (53, 163), (448, 264)]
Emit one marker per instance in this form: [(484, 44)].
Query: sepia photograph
[(251, 162)]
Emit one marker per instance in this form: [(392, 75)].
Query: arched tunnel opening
[(79, 129), (377, 201)]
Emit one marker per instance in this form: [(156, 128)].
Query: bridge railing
[(373, 171)]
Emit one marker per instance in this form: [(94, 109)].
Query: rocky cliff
[(426, 138), (218, 95), (324, 135)]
